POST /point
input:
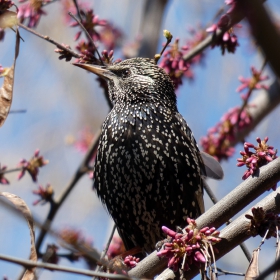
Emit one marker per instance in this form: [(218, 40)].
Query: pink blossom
[(32, 166), (252, 82), (64, 54), (45, 194), (228, 41), (131, 261), (87, 52), (31, 12), (90, 21), (189, 246), (110, 36), (3, 180), (116, 247), (84, 140), (174, 64), (218, 140), (253, 160)]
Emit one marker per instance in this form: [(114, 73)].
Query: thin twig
[(50, 40), (30, 264), (86, 32), (88, 253), (17, 111), (263, 239), (104, 252), (10, 170), (245, 103), (77, 9), (168, 37), (225, 272)]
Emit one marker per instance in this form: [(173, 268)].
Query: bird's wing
[(212, 168)]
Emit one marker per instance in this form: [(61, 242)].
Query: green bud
[(167, 35)]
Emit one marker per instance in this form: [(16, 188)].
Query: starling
[(148, 170)]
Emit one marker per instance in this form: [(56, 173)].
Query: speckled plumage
[(148, 169)]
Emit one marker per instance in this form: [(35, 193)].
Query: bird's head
[(136, 80)]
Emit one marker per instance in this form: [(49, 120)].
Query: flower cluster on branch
[(174, 64), (189, 247), (32, 166), (3, 180), (101, 31), (31, 12), (219, 139), (45, 194), (252, 83), (262, 154), (263, 224), (228, 41)]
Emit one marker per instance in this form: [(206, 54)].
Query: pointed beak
[(101, 71)]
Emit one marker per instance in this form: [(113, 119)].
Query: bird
[(149, 171)]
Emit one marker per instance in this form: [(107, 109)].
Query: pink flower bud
[(204, 229), (199, 257), (168, 231), (268, 158)]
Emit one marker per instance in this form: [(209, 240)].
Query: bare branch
[(215, 200), (104, 252), (50, 40), (233, 234), (77, 9), (221, 212), (87, 34), (264, 31), (150, 29), (30, 264), (211, 39), (237, 231)]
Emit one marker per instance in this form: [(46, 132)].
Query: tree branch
[(29, 264), (150, 28), (264, 31), (215, 200), (220, 213), (47, 38), (235, 17), (233, 234)]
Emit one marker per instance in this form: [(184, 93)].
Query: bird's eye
[(125, 73)]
